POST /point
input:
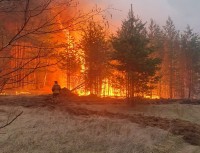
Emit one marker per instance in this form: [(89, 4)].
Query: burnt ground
[(189, 131)]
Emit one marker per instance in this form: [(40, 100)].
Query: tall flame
[(106, 89)]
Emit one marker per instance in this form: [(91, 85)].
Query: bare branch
[(1, 127)]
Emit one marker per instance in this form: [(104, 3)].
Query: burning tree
[(156, 36), (70, 63), (171, 49), (133, 56), (30, 34), (95, 49), (190, 44)]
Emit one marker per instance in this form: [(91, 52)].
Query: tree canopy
[(133, 54)]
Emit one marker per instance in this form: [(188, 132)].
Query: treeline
[(142, 60), (32, 32), (180, 54)]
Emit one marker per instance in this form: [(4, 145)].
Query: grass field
[(87, 127)]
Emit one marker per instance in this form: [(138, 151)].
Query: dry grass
[(75, 128), (42, 131)]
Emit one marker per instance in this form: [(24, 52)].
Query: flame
[(152, 97), (107, 90), (22, 93), (69, 39)]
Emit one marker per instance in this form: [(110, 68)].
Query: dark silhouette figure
[(56, 89)]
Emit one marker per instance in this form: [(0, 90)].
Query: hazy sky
[(182, 12)]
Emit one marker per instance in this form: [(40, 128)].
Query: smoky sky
[(182, 12), (187, 12), (188, 8)]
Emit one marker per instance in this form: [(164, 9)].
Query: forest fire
[(152, 97), (76, 77), (106, 89), (62, 43)]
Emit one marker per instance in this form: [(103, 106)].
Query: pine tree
[(133, 53), (156, 37), (170, 54), (94, 46), (191, 49)]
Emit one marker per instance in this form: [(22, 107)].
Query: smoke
[(182, 12), (187, 12), (186, 7)]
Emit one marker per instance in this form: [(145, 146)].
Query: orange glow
[(152, 97), (69, 39), (22, 93), (108, 90)]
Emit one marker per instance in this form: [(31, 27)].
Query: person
[(56, 89)]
